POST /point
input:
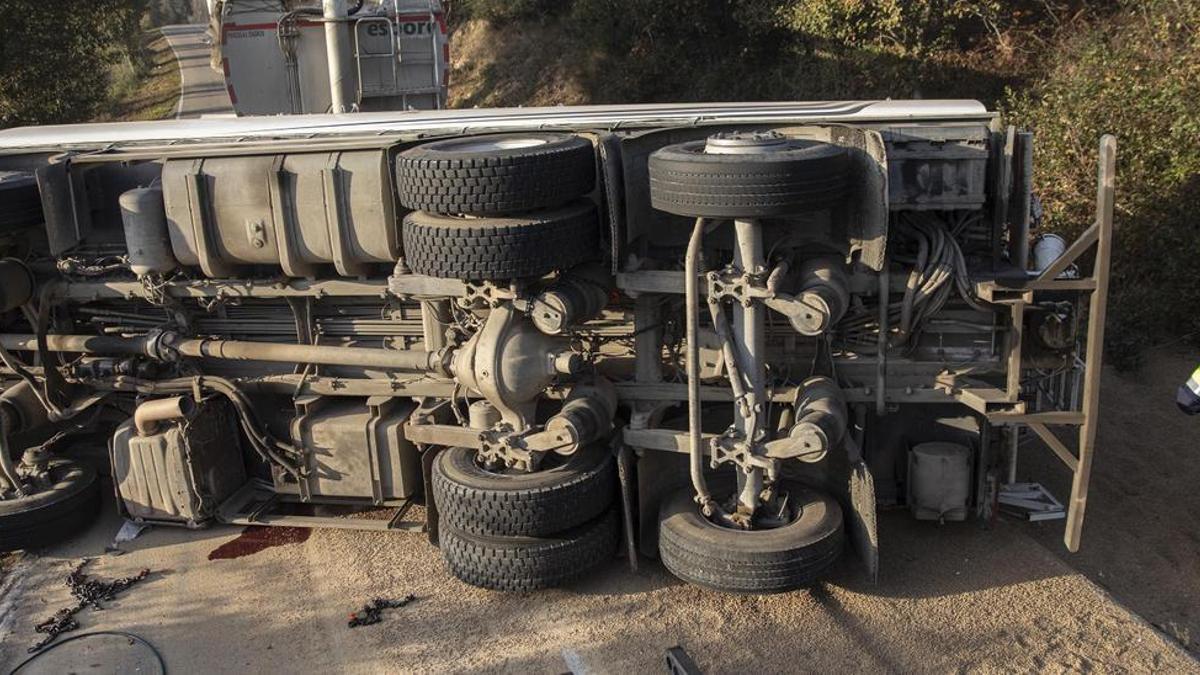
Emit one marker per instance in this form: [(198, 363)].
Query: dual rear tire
[(498, 207), (502, 207), (511, 531), (511, 206)]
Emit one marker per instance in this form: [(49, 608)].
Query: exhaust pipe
[(149, 414), (337, 50)]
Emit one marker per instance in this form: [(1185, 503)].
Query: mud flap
[(845, 475), (628, 489), (612, 188), (862, 523), (858, 502), (431, 512)]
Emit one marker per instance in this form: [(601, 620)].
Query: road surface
[(953, 598), (962, 597), (202, 90)]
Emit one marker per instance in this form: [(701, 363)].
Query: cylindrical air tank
[(146, 237)]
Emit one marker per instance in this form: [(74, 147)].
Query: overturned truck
[(722, 335)]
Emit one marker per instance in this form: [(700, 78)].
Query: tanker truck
[(289, 57)]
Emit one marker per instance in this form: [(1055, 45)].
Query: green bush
[(54, 56), (504, 11), (910, 26), (682, 50), (1136, 76)]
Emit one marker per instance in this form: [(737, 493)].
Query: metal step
[(257, 503)]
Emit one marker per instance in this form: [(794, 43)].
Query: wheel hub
[(746, 143), (774, 511), (32, 479), (508, 143)]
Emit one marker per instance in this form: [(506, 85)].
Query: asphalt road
[(952, 598), (202, 90)]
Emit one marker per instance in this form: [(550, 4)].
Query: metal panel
[(181, 475), (937, 167), (357, 447), (64, 205), (294, 211), (307, 127)]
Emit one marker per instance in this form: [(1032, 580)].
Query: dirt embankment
[(1141, 537), (149, 96), (517, 65)]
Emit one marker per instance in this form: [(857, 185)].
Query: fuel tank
[(295, 212)]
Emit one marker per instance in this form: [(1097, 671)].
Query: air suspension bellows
[(578, 296), (819, 422)]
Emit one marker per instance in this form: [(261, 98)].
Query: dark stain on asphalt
[(259, 538)]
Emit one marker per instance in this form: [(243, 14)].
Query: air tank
[(16, 284), (146, 236), (939, 481), (482, 415), (1047, 249)]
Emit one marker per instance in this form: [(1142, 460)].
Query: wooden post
[(1105, 193)]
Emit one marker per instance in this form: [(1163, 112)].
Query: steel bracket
[(733, 448), (485, 294), (502, 447), (733, 284)]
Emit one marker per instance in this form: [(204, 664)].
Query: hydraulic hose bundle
[(939, 271)]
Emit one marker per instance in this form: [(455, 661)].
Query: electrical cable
[(939, 270), (162, 664), (15, 365)]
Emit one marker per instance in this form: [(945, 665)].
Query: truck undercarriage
[(723, 335)]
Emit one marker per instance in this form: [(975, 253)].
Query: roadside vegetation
[(1136, 74), (148, 94), (82, 60), (1067, 69)]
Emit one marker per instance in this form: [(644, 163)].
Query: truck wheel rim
[(490, 144)]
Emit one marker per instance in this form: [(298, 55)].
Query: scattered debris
[(87, 592), (128, 532), (680, 663), (1030, 501), (372, 612)]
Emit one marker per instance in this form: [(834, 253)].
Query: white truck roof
[(99, 136)]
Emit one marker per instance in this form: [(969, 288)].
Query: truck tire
[(571, 491), (530, 245), (491, 175), (530, 563), (751, 561), (20, 200), (807, 177), (54, 514)]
